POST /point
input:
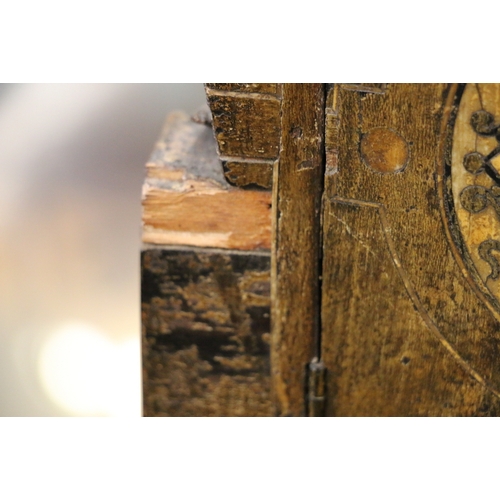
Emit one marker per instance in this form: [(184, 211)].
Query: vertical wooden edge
[(205, 332), (295, 268), (275, 330)]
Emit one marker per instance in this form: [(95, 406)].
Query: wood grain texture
[(205, 317), (261, 88), (249, 173), (396, 287), (297, 189), (404, 329), (201, 215), (205, 311), (185, 150), (187, 201), (246, 125)]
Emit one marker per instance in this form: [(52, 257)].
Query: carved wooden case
[(325, 249)]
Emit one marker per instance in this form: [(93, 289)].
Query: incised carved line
[(365, 88), (381, 210)]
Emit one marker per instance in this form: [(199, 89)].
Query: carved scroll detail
[(477, 198), (483, 123), (485, 249)]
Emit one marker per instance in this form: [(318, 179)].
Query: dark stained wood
[(385, 296), (261, 88), (249, 174), (206, 307), (297, 189), (246, 125), (205, 317), (406, 328)]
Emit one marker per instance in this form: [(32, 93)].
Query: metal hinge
[(316, 388)]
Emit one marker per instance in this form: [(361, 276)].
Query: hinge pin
[(316, 388)]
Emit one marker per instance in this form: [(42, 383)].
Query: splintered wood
[(205, 283), (186, 200)]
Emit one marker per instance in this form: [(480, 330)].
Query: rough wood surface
[(396, 289), (205, 311), (297, 189), (409, 320), (246, 125), (205, 317), (260, 88), (201, 215), (187, 201)]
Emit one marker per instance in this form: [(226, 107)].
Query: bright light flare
[(88, 375)]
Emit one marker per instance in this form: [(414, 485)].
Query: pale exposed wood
[(205, 308), (186, 200), (297, 191), (201, 214)]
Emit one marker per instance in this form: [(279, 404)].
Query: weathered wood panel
[(409, 273), (206, 329), (203, 216), (297, 189), (249, 173), (186, 200), (246, 125), (261, 88), (205, 311), (406, 329)]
